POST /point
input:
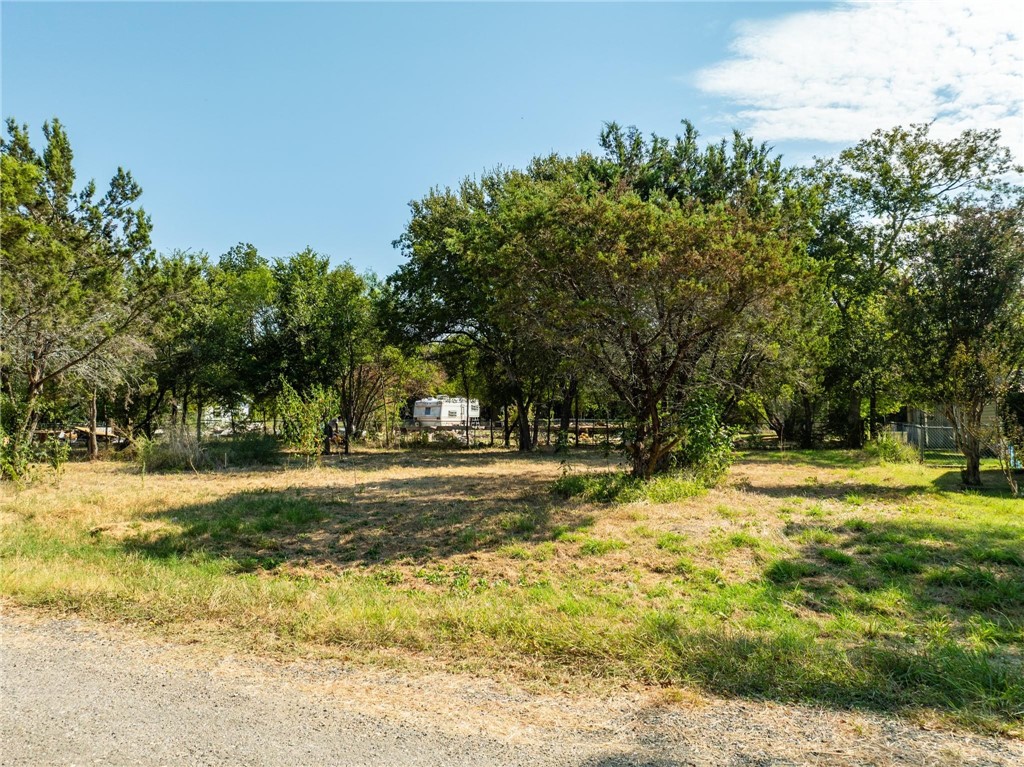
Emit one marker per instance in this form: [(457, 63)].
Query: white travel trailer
[(444, 411)]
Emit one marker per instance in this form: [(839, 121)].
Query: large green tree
[(80, 280), (961, 317), (648, 292), (877, 196), (464, 278)]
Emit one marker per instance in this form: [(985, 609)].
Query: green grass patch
[(618, 487), (672, 542), (595, 547), (788, 571), (895, 562), (816, 535), (836, 557), (604, 487)]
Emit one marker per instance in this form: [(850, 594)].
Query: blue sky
[(289, 125)]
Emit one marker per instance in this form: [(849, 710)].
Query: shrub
[(706, 448), (304, 417), (249, 449), (435, 440), (19, 459), (56, 452), (178, 450), (886, 448), (16, 459)]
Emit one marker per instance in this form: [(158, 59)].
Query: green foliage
[(706, 447), (604, 487), (467, 235), (304, 417), (16, 459), (440, 440), (647, 290), (20, 460), (876, 194), (886, 448), (57, 452), (619, 487), (80, 281), (178, 450), (961, 317)]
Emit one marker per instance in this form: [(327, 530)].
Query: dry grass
[(815, 577)]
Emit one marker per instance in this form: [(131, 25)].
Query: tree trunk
[(465, 387), (523, 419), (854, 423), (31, 420), (94, 449), (576, 406), (565, 416), (199, 418), (638, 453), (873, 413), (807, 430), (504, 415), (966, 420), (972, 474)]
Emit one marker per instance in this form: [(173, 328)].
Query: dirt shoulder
[(76, 692)]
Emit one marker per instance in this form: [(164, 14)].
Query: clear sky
[(289, 125)]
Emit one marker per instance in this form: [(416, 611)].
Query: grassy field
[(817, 577)]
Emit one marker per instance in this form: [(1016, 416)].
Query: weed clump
[(179, 450), (619, 487), (886, 448), (246, 450)]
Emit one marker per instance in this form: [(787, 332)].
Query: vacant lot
[(812, 577)]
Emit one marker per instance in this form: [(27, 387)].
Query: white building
[(444, 411)]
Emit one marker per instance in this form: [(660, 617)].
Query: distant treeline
[(682, 287)]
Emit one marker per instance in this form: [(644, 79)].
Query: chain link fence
[(933, 441)]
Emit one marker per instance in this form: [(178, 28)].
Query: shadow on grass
[(825, 459), (835, 490), (993, 484), (416, 520)]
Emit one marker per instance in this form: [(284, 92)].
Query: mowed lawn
[(817, 577)]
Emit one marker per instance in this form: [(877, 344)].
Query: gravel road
[(77, 693)]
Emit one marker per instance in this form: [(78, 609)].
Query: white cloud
[(839, 74)]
